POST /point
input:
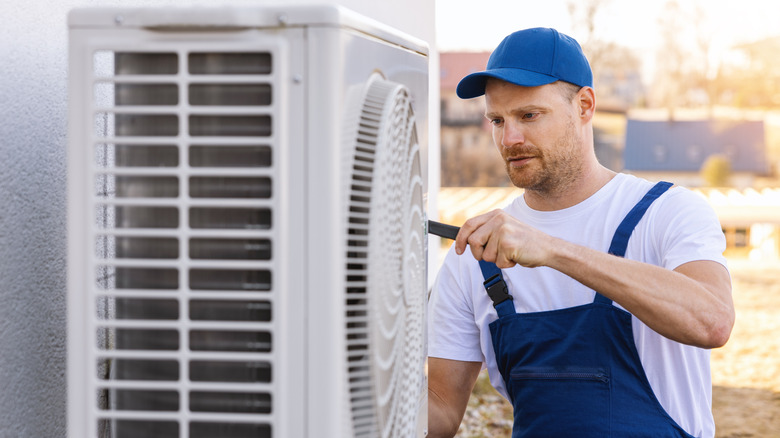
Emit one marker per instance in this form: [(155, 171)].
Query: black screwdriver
[(443, 230)]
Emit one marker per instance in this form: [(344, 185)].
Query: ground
[(745, 373)]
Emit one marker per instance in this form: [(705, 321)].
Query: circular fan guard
[(385, 266)]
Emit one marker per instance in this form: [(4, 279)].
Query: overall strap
[(624, 230), (496, 288)]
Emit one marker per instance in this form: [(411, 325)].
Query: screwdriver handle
[(443, 230)]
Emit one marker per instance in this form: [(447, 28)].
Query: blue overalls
[(576, 372)]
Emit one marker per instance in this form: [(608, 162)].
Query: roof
[(457, 204), (684, 146), (734, 207), (741, 207), (454, 66)]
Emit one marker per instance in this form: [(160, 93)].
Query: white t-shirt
[(679, 227)]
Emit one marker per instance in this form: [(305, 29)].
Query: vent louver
[(385, 266), (184, 240)]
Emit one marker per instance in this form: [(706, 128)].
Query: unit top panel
[(227, 18)]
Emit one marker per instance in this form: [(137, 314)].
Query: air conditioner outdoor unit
[(246, 224)]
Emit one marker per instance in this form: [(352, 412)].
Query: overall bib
[(576, 372)]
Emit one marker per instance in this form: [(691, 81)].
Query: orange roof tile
[(455, 65)]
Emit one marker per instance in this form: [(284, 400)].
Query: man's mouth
[(519, 161)]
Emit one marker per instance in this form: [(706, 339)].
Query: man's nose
[(513, 134)]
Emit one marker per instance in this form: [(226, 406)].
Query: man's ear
[(586, 98)]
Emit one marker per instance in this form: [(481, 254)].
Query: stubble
[(556, 169)]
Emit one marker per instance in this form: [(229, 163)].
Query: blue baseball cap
[(532, 57)]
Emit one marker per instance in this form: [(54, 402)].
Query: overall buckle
[(497, 290)]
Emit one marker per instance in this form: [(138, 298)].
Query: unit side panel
[(292, 266), (348, 61), (327, 399), (79, 224)]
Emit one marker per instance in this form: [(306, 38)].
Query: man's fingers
[(504, 260), (477, 251), (490, 250), (476, 241), (484, 234), (468, 228), (497, 237)]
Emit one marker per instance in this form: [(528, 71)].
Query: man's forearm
[(691, 305), (441, 424), (450, 383)]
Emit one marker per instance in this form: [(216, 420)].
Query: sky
[(479, 25)]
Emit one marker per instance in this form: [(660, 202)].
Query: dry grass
[(745, 373)]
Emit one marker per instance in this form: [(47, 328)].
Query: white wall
[(33, 53)]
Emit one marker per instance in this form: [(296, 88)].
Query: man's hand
[(499, 238), (691, 304)]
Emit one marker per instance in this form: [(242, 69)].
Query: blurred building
[(619, 89), (468, 156), (750, 220), (675, 150), (457, 112)]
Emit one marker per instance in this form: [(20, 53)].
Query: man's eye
[(529, 116), (495, 122)]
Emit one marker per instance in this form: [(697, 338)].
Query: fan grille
[(385, 266)]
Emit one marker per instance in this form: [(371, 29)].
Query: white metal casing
[(320, 56)]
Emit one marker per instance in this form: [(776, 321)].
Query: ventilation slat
[(208, 231)]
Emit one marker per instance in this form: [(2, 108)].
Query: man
[(610, 290)]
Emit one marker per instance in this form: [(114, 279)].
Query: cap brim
[(473, 85)]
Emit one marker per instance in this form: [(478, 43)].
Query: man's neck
[(571, 194)]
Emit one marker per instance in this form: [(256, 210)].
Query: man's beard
[(558, 168)]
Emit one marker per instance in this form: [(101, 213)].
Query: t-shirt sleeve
[(452, 330), (689, 230)]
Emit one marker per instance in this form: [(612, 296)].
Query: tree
[(716, 171), (583, 15), (685, 72), (616, 68)]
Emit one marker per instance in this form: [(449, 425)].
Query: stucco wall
[(33, 97)]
